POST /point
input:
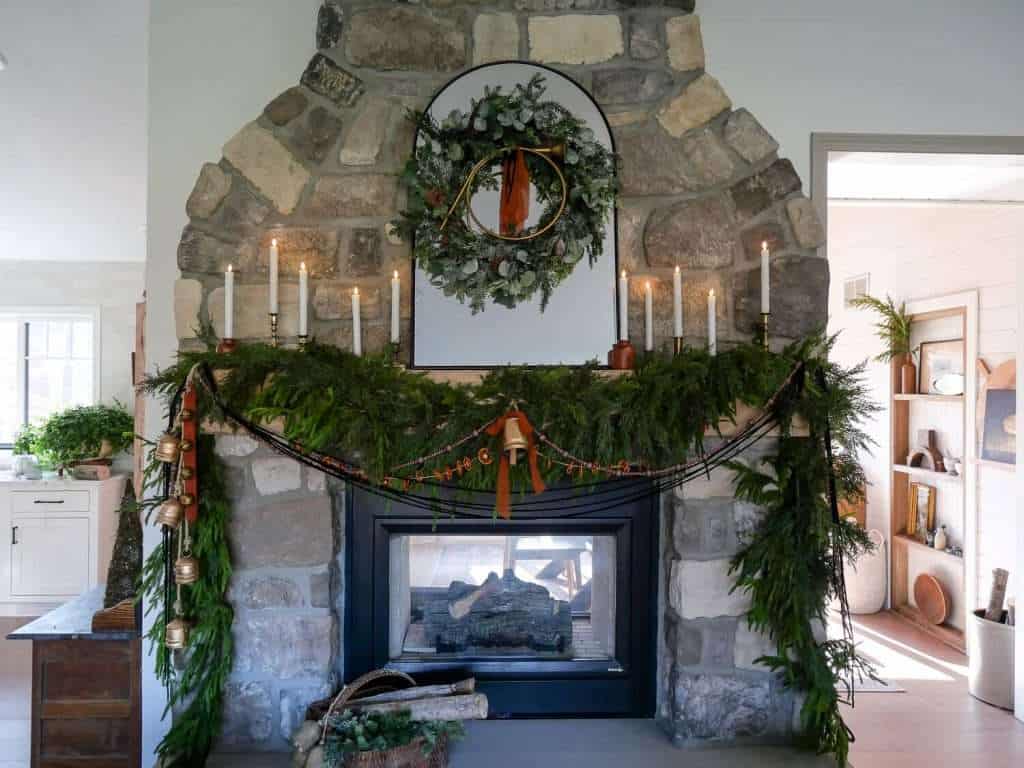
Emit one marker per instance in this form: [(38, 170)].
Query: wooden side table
[(86, 689)]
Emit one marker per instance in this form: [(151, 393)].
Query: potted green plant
[(79, 433), (893, 328), (388, 740)]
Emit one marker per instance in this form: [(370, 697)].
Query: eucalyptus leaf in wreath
[(474, 266)]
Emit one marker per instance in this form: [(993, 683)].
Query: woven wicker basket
[(407, 756)]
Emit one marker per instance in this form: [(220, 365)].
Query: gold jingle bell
[(187, 499), (186, 570), (170, 513), (514, 440), (176, 634), (168, 448)]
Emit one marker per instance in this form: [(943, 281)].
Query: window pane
[(58, 338), (54, 385), (10, 419), (81, 340), (37, 339)]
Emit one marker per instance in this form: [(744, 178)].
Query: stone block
[(247, 714), (332, 300), (326, 78), (294, 703), (709, 158), (209, 191), (807, 226), (316, 248), (750, 140), (687, 640), (799, 296), (685, 44), (629, 117), (661, 289), (260, 592), (756, 193), (330, 22), (704, 528), (719, 642), (268, 164), (695, 234), (631, 85), (746, 518), (365, 137), (320, 589), (700, 102), (204, 253), (293, 533), (750, 646), (356, 196), (762, 232), (188, 297), (631, 237), (653, 163), (242, 212), (575, 39), (315, 136), (405, 38), (495, 38), (702, 589), (720, 708), (251, 304), (284, 646), (276, 474), (286, 107), (234, 446), (645, 38), (363, 258)]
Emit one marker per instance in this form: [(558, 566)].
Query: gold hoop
[(545, 154)]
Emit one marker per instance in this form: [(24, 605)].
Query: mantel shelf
[(927, 474), (930, 398)]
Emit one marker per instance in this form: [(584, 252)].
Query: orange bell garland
[(503, 490)]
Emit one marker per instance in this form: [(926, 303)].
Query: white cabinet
[(59, 537)]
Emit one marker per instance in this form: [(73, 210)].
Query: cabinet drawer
[(36, 502)]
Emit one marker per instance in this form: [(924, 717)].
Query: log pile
[(454, 701)]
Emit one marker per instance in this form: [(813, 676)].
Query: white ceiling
[(908, 176)]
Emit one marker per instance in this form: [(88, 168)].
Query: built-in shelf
[(944, 633), (927, 474), (996, 465), (910, 541), (931, 398)]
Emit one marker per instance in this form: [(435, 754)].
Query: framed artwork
[(942, 367), (999, 434), (920, 510)]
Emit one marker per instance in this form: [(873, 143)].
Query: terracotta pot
[(908, 378), (622, 356)]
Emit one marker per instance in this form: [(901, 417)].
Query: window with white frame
[(48, 362)]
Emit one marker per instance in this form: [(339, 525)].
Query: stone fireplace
[(702, 187)]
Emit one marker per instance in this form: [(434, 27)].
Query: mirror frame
[(602, 364)]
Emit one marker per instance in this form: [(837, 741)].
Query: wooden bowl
[(932, 598)]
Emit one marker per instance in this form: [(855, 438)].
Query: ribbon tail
[(535, 478), (503, 489)]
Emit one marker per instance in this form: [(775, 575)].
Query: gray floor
[(580, 744)]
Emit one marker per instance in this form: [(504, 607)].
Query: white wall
[(72, 130), (914, 251), (113, 287), (873, 66)]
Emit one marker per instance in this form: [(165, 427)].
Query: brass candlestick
[(303, 340), (226, 345), (273, 329), (677, 345), (764, 329)]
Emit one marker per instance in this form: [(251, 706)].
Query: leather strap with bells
[(503, 490), (189, 458)]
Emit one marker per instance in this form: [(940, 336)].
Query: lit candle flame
[(711, 293), (677, 269), (623, 274), (273, 242), (764, 245), (229, 267), (355, 291), (396, 274), (302, 266)]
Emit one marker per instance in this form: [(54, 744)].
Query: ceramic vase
[(908, 378), (941, 539)]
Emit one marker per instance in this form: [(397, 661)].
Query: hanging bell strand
[(176, 632), (186, 567)]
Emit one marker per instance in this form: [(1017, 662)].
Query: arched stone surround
[(702, 186)]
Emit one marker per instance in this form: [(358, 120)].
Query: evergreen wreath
[(477, 267)]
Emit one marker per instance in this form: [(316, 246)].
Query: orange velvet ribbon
[(515, 194), (503, 490)]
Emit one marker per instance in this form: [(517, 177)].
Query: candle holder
[(765, 316), (303, 341), (622, 356), (677, 345), (226, 346), (274, 341)]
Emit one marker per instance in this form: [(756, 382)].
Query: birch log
[(420, 692), (994, 612), (468, 707)]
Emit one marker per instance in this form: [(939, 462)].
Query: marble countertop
[(71, 621)]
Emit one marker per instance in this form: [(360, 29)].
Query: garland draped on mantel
[(435, 445)]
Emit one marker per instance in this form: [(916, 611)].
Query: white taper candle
[(396, 298), (623, 306), (712, 323), (677, 303), (765, 278), (229, 303), (303, 300), (273, 276), (357, 331), (648, 317)]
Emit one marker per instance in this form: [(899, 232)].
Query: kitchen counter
[(71, 621)]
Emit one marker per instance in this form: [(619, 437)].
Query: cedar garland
[(367, 409)]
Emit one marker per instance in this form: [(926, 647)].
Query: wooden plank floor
[(936, 723)]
